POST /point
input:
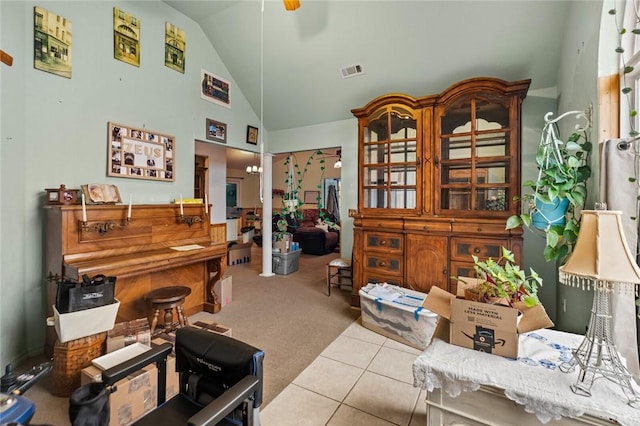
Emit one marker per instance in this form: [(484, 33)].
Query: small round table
[(168, 298)]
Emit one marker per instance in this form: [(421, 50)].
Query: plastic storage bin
[(286, 263), (402, 319)]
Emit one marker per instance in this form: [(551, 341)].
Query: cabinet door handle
[(436, 160), (476, 250), (382, 264), (479, 229), (418, 161), (425, 227), (444, 271), (383, 242)]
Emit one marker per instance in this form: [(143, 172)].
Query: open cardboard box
[(482, 326)]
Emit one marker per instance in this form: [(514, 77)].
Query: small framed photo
[(252, 135), (311, 197), (216, 131)]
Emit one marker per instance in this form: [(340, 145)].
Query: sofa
[(315, 236)]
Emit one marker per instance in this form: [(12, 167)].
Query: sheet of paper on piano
[(188, 247)]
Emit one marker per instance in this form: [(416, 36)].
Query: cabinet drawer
[(480, 228), (383, 264), (377, 223), (444, 227), (463, 248), (383, 241), (460, 269), (372, 277)]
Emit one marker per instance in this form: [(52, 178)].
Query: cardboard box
[(482, 326), (129, 332), (283, 244), (135, 395), (223, 289), (76, 325), (239, 253)]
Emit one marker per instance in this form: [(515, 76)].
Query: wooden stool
[(168, 298)]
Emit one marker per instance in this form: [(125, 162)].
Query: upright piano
[(157, 247)]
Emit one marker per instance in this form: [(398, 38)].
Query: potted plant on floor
[(502, 281), (556, 197)]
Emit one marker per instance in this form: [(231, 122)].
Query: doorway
[(201, 178)]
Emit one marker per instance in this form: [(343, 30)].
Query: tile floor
[(361, 379)]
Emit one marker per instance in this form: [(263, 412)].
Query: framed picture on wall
[(252, 135), (216, 131), (311, 197), (140, 153), (215, 89)]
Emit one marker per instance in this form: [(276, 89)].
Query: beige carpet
[(288, 316)]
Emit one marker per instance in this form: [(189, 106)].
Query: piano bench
[(168, 298)]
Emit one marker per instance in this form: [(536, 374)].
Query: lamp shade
[(601, 252)]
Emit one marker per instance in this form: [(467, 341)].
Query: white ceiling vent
[(351, 71)]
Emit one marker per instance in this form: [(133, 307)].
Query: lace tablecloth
[(533, 381)]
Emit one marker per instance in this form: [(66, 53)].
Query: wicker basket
[(70, 358)]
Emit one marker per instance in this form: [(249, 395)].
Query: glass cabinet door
[(474, 154), (390, 159)]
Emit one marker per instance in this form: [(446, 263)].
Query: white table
[(466, 387)]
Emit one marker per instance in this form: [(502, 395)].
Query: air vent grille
[(351, 71)]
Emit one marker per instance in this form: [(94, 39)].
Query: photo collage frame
[(140, 153)]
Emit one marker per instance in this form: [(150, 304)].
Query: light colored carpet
[(288, 316)]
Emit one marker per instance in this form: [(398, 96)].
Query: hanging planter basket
[(546, 215)]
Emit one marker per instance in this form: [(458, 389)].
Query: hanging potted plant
[(556, 197)]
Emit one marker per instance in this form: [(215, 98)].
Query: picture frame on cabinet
[(216, 131), (62, 195), (252, 135)]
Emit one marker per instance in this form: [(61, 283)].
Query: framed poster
[(216, 131), (126, 37), (215, 89), (252, 135), (174, 47), (51, 52), (140, 153)]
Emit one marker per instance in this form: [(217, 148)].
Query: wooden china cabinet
[(437, 176)]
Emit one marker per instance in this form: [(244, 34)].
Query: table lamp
[(601, 260)]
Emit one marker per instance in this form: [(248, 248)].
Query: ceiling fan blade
[(291, 5), (6, 58)]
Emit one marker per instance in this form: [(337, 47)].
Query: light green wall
[(54, 131)]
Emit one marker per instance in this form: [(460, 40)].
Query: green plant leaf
[(619, 50), (626, 90), (627, 69), (513, 222), (612, 11)]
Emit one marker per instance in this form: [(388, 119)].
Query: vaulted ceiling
[(412, 47)]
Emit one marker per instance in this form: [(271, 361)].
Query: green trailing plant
[(627, 89), (294, 181), (503, 280), (563, 174)]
